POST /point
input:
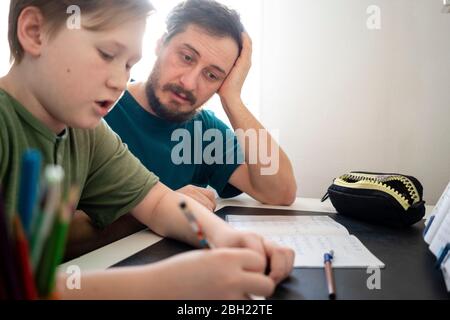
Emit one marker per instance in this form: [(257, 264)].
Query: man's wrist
[(231, 101)]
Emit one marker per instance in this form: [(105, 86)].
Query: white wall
[(4, 48), (343, 97), (348, 98)]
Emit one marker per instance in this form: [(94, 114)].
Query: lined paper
[(310, 237)]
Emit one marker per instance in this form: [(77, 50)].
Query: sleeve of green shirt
[(3, 162), (117, 180)]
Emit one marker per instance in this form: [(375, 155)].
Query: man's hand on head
[(231, 88)]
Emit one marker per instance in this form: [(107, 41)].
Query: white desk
[(113, 253)]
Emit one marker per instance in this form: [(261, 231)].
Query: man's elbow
[(285, 196), (289, 195)]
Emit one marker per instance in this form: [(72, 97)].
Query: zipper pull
[(325, 197), (418, 204)]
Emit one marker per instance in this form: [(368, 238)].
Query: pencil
[(23, 260), (7, 256), (53, 176), (28, 188), (196, 227), (3, 295), (37, 218), (54, 250)]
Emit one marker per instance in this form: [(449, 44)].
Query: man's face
[(189, 69)]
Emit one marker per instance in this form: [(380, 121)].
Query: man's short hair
[(215, 18), (103, 14)]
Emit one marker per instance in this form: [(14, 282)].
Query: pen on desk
[(327, 260), (196, 227)]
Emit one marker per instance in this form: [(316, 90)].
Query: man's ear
[(30, 30)]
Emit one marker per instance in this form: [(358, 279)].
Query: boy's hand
[(204, 196), (280, 260), (215, 275), (230, 91)]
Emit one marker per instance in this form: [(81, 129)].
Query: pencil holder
[(381, 198)]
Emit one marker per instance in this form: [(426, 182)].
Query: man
[(204, 51)]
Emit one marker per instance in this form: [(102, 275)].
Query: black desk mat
[(410, 271)]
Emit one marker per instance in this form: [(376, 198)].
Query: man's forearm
[(265, 181)]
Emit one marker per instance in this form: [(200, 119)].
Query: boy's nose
[(118, 80)]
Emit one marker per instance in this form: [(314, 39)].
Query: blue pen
[(442, 255), (29, 185), (427, 227), (327, 260)]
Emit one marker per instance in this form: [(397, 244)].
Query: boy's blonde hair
[(103, 14)]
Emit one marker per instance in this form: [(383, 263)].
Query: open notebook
[(437, 231), (310, 237)]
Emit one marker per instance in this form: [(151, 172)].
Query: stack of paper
[(437, 233), (446, 271), (310, 237)]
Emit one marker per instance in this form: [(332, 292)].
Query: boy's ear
[(30, 30)]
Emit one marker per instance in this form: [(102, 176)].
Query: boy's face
[(83, 73), (189, 69)]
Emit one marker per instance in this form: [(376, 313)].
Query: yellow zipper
[(378, 182)]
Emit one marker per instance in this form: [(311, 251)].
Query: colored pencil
[(29, 186), (23, 260), (53, 176), (54, 250), (7, 256)]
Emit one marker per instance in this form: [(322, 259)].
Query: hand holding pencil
[(279, 260), (196, 227)]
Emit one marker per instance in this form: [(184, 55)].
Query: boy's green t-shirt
[(112, 181)]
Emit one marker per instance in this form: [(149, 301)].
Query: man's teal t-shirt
[(202, 151)]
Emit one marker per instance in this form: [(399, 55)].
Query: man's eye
[(187, 58), (105, 55), (211, 76)]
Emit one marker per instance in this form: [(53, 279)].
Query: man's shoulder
[(207, 114), (125, 106), (210, 120), (207, 117)]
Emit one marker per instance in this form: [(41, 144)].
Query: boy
[(62, 83)]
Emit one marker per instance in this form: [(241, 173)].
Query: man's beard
[(163, 111)]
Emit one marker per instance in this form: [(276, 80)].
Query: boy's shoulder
[(7, 114), (5, 102)]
